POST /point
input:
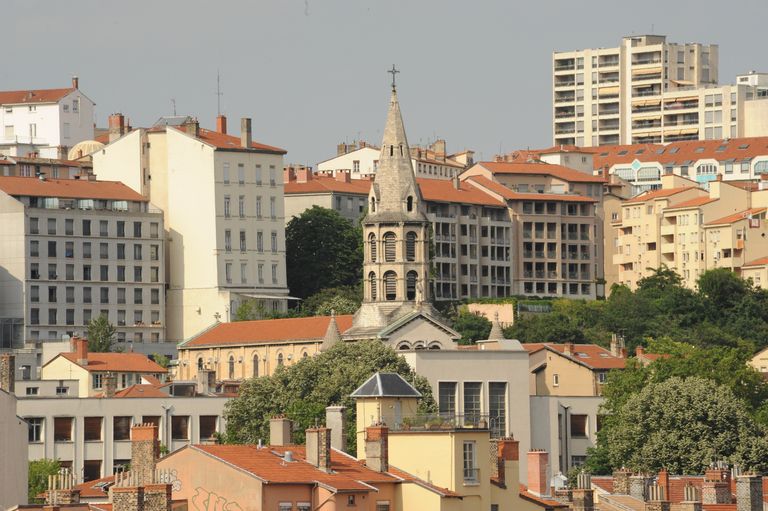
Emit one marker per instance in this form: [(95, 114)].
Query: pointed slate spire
[(395, 189), (332, 333), (497, 334)]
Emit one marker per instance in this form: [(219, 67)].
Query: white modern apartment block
[(44, 121), (71, 250), (361, 160), (222, 197)]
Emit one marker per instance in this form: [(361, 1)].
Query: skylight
[(673, 150), (699, 150), (622, 153), (743, 146)]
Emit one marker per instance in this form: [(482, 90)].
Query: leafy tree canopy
[(302, 391), (344, 300), (473, 327), (101, 334), (39, 470), (323, 250)]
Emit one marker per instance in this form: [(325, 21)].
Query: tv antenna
[(173, 103), (219, 94)]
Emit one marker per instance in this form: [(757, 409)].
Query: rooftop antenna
[(173, 103), (219, 94)]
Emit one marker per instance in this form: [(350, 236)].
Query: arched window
[(255, 366), (373, 205), (200, 364), (372, 284), (410, 285), (419, 346), (279, 359), (231, 367), (403, 346), (390, 285), (391, 150), (410, 246), (761, 167), (409, 203), (390, 244), (434, 346), (372, 242)]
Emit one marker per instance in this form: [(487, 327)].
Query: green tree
[(722, 289), (344, 300), (323, 250), (160, 359), (303, 390), (39, 470), (682, 425), (101, 334), (473, 327)]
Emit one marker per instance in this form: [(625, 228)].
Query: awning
[(647, 71), (646, 117), (682, 82), (671, 132), (681, 100), (689, 131), (608, 90), (647, 102)]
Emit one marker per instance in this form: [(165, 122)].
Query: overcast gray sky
[(312, 73)]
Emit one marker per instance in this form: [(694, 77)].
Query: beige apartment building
[(335, 190), (71, 250), (233, 247), (690, 230)]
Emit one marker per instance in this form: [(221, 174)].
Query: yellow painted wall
[(62, 369), (375, 410), (574, 379)]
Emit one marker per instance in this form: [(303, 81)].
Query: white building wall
[(13, 454)]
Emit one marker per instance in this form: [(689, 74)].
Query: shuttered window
[(390, 242), (62, 429), (372, 282), (390, 285), (372, 241), (410, 246), (410, 285)]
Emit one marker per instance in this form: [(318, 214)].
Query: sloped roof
[(658, 194), (265, 331), (141, 390), (386, 385), (549, 169), (68, 189), (692, 203), (590, 355), (322, 184), (23, 97), (443, 190), (444, 492), (735, 217), (510, 194), (757, 262), (117, 362)]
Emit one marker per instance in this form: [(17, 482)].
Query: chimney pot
[(145, 450), (336, 421), (318, 448), (569, 349), (245, 132), (377, 448), (81, 350), (343, 176), (538, 465)]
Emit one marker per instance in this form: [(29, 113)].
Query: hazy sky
[(313, 73)]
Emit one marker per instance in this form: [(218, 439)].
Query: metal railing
[(442, 422)]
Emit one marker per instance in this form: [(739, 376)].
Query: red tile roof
[(324, 184), (604, 483), (692, 203), (558, 171), (591, 355), (741, 215), (117, 362), (510, 194), (14, 97), (140, 390), (541, 501), (267, 464), (68, 188), (265, 331), (224, 141), (442, 190), (756, 262), (658, 194), (90, 490)]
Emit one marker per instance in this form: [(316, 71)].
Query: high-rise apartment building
[(223, 202), (71, 250)]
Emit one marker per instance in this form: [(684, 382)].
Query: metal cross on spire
[(393, 72)]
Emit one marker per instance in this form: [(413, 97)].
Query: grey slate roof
[(386, 385)]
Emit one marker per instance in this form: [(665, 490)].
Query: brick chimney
[(116, 125), (246, 136), (583, 496), (657, 499), (336, 421), (61, 489), (318, 448), (145, 450), (507, 450), (289, 174), (749, 493), (343, 176), (192, 127), (663, 482), (81, 350), (75, 82), (569, 349), (621, 481), (303, 174), (280, 431), (7, 374), (109, 381), (377, 448), (221, 124), (538, 466), (716, 488), (206, 381)]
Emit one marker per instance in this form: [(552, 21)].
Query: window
[(35, 429), (390, 285), (103, 251), (154, 296), (390, 241), (34, 248), (578, 426), (62, 391), (225, 173), (242, 241), (51, 226), (260, 270), (285, 506), (306, 506), (259, 241), (34, 316), (104, 294), (52, 294), (34, 226), (70, 315), (34, 294), (227, 240), (447, 398), (228, 272), (497, 401), (410, 285), (121, 428), (208, 427), (382, 505), (86, 227), (410, 246), (274, 242), (137, 229), (154, 274), (255, 366), (258, 206), (274, 273), (121, 250), (104, 272), (240, 173), (34, 271), (137, 254), (555, 380), (241, 206), (52, 316), (243, 273), (272, 208), (32, 391), (272, 173), (121, 229), (231, 367), (154, 230), (62, 429), (53, 274), (472, 401), (121, 273), (356, 166), (257, 175), (137, 274), (138, 296), (372, 284), (87, 295), (470, 463), (92, 429), (279, 359), (51, 249), (180, 427), (103, 228), (226, 206)]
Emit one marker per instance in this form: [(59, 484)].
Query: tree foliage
[(684, 425), (101, 334), (472, 326), (160, 359), (303, 390), (39, 470), (344, 300), (323, 250)]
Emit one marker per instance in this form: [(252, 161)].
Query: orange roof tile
[(591, 355), (542, 501), (558, 171), (21, 97), (140, 390), (151, 380), (756, 262), (658, 194), (117, 362), (90, 489), (68, 188), (442, 190), (741, 215), (510, 194), (264, 331), (692, 203), (267, 464), (224, 141), (323, 184)]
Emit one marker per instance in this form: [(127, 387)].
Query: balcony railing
[(445, 422)]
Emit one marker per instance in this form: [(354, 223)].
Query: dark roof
[(386, 385)]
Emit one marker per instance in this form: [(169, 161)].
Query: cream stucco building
[(224, 215), (13, 440)]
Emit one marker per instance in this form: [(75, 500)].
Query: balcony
[(667, 230), (564, 83), (667, 248), (568, 66), (445, 422), (645, 93)]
